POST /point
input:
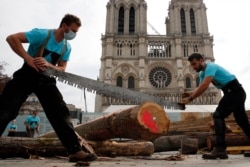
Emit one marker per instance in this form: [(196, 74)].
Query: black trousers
[(30, 132), (233, 101), (12, 134), (26, 81)]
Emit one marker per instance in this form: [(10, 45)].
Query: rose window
[(160, 77)]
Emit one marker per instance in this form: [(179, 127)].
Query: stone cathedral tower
[(154, 64)]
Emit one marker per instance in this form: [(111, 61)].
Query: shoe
[(217, 152), (247, 154), (82, 156)]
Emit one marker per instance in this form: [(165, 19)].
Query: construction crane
[(153, 28)]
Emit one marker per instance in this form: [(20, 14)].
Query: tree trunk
[(25, 147), (147, 121), (50, 147), (182, 143), (231, 140), (192, 125), (200, 136), (129, 148)]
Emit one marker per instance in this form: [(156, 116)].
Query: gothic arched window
[(132, 50), (188, 82), (121, 21), (192, 21), (195, 48), (185, 50), (183, 22), (119, 49), (131, 82), (119, 81), (131, 20)]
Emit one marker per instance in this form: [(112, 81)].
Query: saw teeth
[(107, 90), (80, 87)]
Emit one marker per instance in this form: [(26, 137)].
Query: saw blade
[(109, 90)]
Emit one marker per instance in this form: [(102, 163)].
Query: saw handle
[(182, 106)]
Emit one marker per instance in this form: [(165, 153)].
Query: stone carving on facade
[(141, 76), (114, 63), (125, 69)]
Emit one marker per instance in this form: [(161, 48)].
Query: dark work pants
[(233, 101), (30, 132), (26, 81)]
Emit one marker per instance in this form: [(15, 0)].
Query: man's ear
[(64, 26)]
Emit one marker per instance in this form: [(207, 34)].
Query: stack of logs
[(139, 130), (203, 130)]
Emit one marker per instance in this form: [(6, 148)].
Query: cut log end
[(153, 117)]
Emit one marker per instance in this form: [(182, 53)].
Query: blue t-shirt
[(33, 121), (53, 50), (220, 75), (12, 126)]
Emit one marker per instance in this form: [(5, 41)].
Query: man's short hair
[(196, 56), (69, 19)]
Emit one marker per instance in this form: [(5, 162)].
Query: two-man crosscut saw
[(109, 90)]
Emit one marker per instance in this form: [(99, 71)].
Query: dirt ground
[(156, 160)]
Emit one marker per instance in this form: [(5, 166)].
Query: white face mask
[(69, 35)]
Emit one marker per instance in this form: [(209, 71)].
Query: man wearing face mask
[(30, 79)]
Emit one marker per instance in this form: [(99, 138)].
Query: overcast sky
[(228, 22)]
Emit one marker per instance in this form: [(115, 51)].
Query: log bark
[(231, 140), (204, 124), (25, 147), (129, 148), (147, 121), (50, 147), (200, 136), (181, 143), (195, 125)]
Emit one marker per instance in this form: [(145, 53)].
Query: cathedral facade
[(154, 64)]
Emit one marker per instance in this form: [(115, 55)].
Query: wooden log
[(200, 136), (231, 140), (189, 146), (50, 147), (129, 148), (238, 149), (86, 147), (204, 124), (25, 147), (181, 143), (197, 125), (147, 121)]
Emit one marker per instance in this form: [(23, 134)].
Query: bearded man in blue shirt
[(233, 100)]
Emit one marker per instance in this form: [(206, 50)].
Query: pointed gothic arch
[(121, 20), (132, 20), (192, 22), (119, 81), (183, 21), (131, 82)]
